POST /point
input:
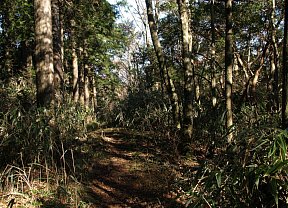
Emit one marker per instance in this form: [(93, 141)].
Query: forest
[(182, 104)]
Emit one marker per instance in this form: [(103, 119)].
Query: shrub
[(250, 173)]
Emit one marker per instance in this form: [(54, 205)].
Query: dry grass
[(110, 168)]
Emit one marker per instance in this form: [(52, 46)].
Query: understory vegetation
[(46, 161)]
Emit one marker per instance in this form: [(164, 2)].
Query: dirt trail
[(128, 170)]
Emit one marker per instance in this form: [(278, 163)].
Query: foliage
[(37, 147), (16, 35), (145, 111), (252, 172)]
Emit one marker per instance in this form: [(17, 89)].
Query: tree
[(229, 68), (164, 71), (75, 65), (57, 50), (274, 59), (44, 53), (188, 69), (213, 52), (285, 71)]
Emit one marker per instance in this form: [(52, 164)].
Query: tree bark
[(86, 78), (229, 69), (81, 77), (213, 52), (86, 87), (274, 61), (75, 67), (57, 52), (165, 76), (285, 71), (44, 53), (94, 94), (188, 69)]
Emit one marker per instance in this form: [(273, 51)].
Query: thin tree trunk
[(94, 93), (61, 22), (156, 11), (249, 91), (188, 69), (156, 42), (44, 53), (63, 58), (81, 77), (86, 77), (255, 77), (274, 61), (75, 67), (229, 69), (164, 72), (285, 71), (213, 52), (86, 86), (57, 52)]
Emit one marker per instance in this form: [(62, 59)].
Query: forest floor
[(129, 169), (115, 168)]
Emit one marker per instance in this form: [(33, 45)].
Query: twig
[(11, 203)]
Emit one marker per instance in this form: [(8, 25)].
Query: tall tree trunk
[(61, 22), (285, 71), (188, 69), (229, 69), (274, 61), (86, 86), (213, 52), (81, 77), (44, 53), (156, 11), (57, 52), (156, 42), (75, 67), (86, 77), (94, 93), (164, 71)]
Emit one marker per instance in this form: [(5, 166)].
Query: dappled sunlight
[(128, 174)]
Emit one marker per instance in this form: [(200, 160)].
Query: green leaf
[(264, 142), (252, 166), (272, 150), (218, 178), (283, 147), (257, 179), (276, 167)]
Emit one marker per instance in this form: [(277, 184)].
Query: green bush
[(144, 111), (250, 173), (28, 132)]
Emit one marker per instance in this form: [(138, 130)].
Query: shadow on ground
[(125, 169)]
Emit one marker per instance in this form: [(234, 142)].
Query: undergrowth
[(40, 154), (37, 151), (146, 111), (250, 172)]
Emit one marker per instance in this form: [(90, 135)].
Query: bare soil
[(131, 170)]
